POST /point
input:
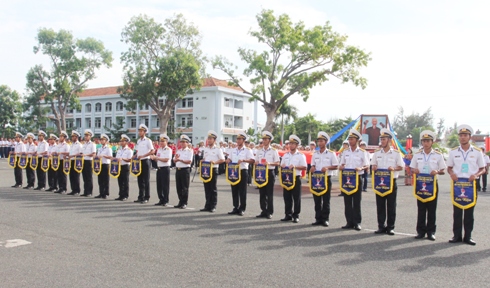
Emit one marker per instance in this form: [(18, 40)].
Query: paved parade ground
[(52, 240)]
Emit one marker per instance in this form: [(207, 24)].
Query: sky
[(425, 54)]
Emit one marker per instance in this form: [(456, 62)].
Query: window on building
[(119, 106), (190, 103), (78, 123), (69, 123), (182, 122), (228, 102), (69, 110), (146, 107), (97, 123), (108, 122), (228, 121), (226, 139), (161, 103), (88, 122), (98, 107), (189, 122), (108, 106), (157, 122), (88, 108), (133, 122)]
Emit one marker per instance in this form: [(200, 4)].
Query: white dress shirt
[(143, 146), (124, 153), (88, 148), (105, 151)]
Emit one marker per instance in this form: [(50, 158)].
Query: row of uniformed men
[(426, 160)]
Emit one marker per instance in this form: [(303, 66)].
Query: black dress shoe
[(390, 232), (14, 186), (144, 201), (124, 199), (261, 215), (183, 207), (178, 206), (63, 192), (470, 242), (295, 220), (118, 199), (165, 205), (235, 211), (137, 201), (431, 236), (28, 187), (380, 231), (357, 227), (74, 193), (240, 213), (212, 210), (287, 218), (455, 240), (347, 226), (268, 216), (50, 189), (420, 236), (86, 195), (316, 223), (159, 203), (104, 197), (98, 196), (204, 210), (37, 188), (41, 189), (325, 224), (58, 191)]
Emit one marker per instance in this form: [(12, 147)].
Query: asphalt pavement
[(52, 240)]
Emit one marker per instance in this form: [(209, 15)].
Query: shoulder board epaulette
[(454, 148), (362, 150), (437, 152), (420, 152), (476, 148), (377, 150)]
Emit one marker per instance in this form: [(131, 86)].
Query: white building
[(216, 106)]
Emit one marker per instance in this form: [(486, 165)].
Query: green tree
[(73, 63), (335, 125), (412, 124), (295, 60), (10, 110), (452, 139), (161, 61), (286, 113), (440, 128), (117, 129), (306, 126)]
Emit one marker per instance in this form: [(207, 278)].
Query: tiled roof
[(99, 91), (207, 82), (211, 82)]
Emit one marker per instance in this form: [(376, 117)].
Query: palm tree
[(289, 112)]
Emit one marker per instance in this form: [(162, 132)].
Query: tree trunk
[(282, 129), (165, 116), (270, 111)]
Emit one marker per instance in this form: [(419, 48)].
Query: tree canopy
[(73, 64), (412, 124), (295, 59), (162, 60), (10, 110)]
